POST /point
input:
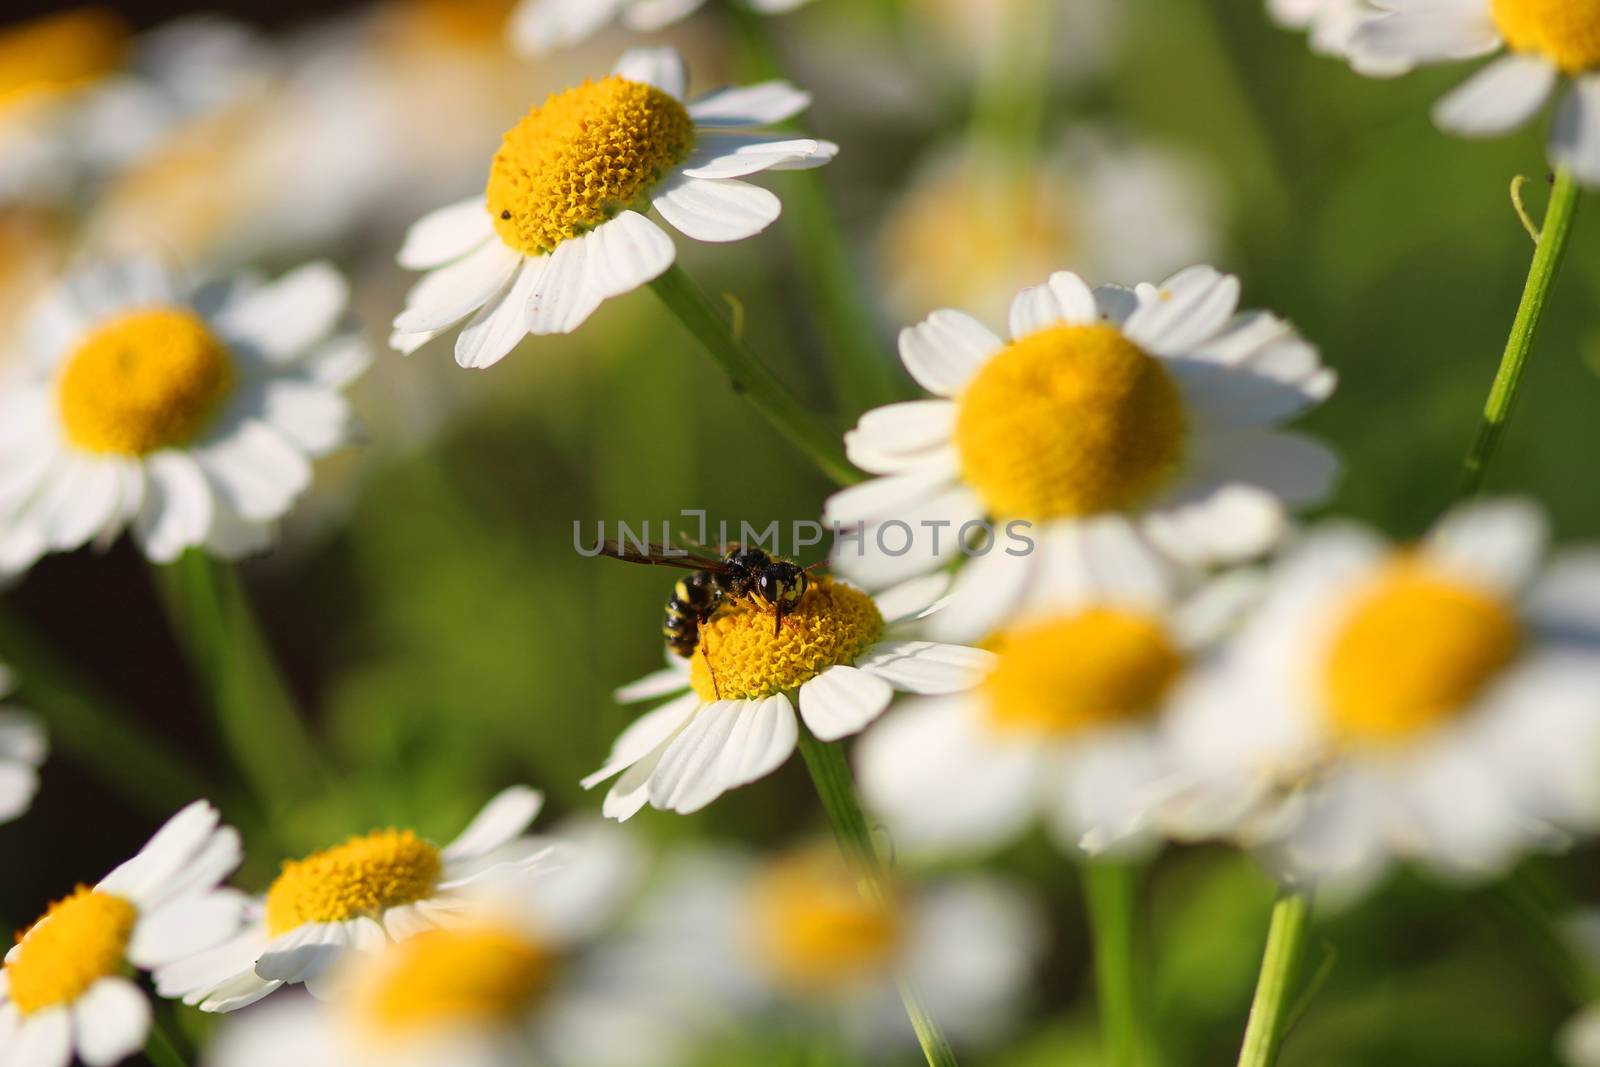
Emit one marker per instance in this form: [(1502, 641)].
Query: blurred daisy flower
[(358, 896), (542, 26), (1126, 430), (836, 654), (560, 228), (510, 980), (22, 750), (1120, 208), (1547, 40), (1437, 702), (793, 933), (64, 992), (1332, 25), (188, 415), (1067, 724)]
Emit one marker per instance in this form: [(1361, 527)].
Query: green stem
[(1012, 98), (255, 712), (1547, 255), (804, 429), (160, 1049), (830, 773), (857, 356), (1280, 966), (88, 726), (1112, 891)]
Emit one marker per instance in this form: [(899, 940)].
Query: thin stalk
[(1547, 254), (1011, 102), (255, 712), (830, 773), (1280, 967), (803, 429), (859, 361), (160, 1049), (93, 730), (1111, 890)]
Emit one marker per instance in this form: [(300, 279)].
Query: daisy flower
[(756, 938), (512, 979), (1547, 40), (1437, 702), (63, 992), (22, 750), (1119, 432), (560, 228), (1067, 724), (1332, 25), (189, 416), (836, 654), (539, 27), (357, 896)]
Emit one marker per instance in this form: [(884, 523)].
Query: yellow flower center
[(580, 158), (144, 381), (1567, 32), (1096, 668), (1072, 421), (59, 52), (1413, 651), (80, 940), (363, 876), (475, 974), (740, 657), (812, 928)]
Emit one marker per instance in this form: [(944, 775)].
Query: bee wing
[(662, 556)]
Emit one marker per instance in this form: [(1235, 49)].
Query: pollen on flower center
[(80, 940), (1567, 32), (581, 157), (144, 381), (363, 876), (1414, 649), (1071, 421), (740, 657), (811, 927), (1095, 668), (475, 974), (59, 52)]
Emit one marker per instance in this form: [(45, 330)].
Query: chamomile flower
[(1331, 27), (1067, 724), (1437, 703), (1119, 432), (560, 228), (188, 416), (836, 654), (542, 26), (63, 991), (361, 895), (22, 750), (1547, 40), (761, 939), (512, 979)]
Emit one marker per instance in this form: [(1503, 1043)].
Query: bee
[(773, 584)]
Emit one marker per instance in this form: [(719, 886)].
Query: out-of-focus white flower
[(836, 655), (22, 749), (1548, 40), (1438, 702), (1121, 432), (560, 229), (512, 978), (539, 27), (741, 940), (188, 415), (1119, 209), (1067, 725), (360, 896), (1331, 26), (63, 993)]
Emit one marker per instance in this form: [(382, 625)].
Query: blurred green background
[(437, 624)]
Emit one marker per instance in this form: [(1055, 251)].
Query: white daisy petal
[(44, 1040), (672, 678), (645, 735), (1497, 543), (1192, 307), (1297, 469), (447, 234), (1064, 300), (165, 855), (563, 297), (661, 67), (285, 317), (185, 927), (632, 791), (307, 950), (1218, 521), (1498, 99), (315, 418), (687, 777), (542, 26), (842, 700), (176, 512), (195, 978), (451, 293), (259, 473), (111, 1022), (627, 252), (945, 351), (649, 16), (715, 211), (927, 667), (909, 600), (736, 155), (1575, 137), (501, 820), (762, 104), (1434, 34), (500, 324), (763, 737)]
